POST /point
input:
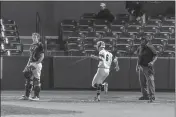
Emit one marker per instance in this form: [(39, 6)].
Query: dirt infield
[(81, 104)]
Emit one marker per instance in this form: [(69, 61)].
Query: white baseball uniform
[(103, 67)]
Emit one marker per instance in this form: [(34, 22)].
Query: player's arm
[(99, 58), (116, 63), (41, 58), (27, 64), (152, 48)]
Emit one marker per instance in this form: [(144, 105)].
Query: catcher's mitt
[(28, 73)]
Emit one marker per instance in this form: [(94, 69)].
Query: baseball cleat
[(105, 87), (34, 99), (144, 98), (97, 98), (23, 97)]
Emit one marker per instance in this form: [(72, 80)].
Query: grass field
[(81, 104)]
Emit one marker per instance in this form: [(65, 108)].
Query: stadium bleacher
[(80, 36)]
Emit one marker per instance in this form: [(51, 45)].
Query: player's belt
[(103, 67)]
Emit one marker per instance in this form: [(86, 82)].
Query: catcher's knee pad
[(36, 82)]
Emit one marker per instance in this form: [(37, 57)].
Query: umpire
[(147, 56)]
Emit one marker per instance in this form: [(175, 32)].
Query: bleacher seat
[(160, 36), (89, 49), (74, 35), (152, 23), (132, 29), (85, 29), (12, 39), (172, 36), (68, 28), (52, 44), (167, 54), (14, 49), (134, 24), (90, 38), (9, 34), (171, 41), (118, 23), (168, 24), (169, 18), (136, 41), (9, 28), (88, 16), (143, 34), (109, 35), (123, 47), (159, 41), (54, 47), (92, 35), (125, 35), (169, 47), (165, 30), (107, 40), (116, 29), (102, 23), (155, 18), (66, 34), (101, 30), (85, 22), (122, 17), (68, 22), (124, 41), (149, 30), (8, 22)]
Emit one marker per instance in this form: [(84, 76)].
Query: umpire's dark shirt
[(146, 54)]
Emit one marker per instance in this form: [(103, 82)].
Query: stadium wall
[(67, 73), (51, 13)]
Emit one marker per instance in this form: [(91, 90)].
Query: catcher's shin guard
[(37, 90), (28, 89)]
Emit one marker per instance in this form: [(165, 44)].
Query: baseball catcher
[(33, 69)]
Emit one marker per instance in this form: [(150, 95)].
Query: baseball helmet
[(100, 44)]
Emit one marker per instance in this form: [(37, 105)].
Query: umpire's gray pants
[(147, 81)]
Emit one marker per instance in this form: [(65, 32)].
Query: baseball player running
[(34, 66), (105, 59)]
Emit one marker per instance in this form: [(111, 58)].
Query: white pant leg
[(37, 70), (100, 76)]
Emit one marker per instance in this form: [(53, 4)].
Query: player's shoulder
[(102, 51)]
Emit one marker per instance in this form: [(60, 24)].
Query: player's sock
[(28, 89), (36, 91), (98, 89)]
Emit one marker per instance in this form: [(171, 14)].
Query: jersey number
[(107, 57)]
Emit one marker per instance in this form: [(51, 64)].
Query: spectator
[(104, 13), (136, 11)]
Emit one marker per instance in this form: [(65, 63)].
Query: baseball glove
[(28, 73)]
